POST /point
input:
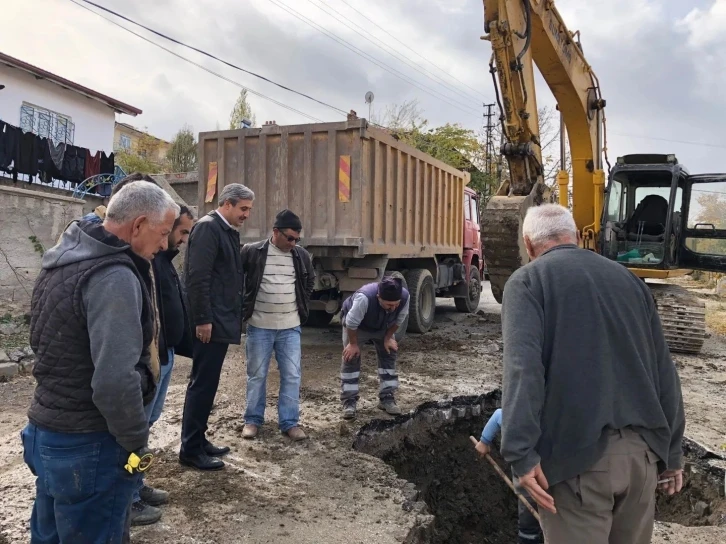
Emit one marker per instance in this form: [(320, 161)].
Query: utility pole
[(489, 145)]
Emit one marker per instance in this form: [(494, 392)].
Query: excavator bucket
[(504, 250)]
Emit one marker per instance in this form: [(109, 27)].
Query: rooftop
[(39, 73)]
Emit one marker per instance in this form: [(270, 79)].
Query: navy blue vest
[(376, 319)]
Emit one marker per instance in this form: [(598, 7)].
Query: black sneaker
[(349, 409), (144, 514), (388, 405), (153, 497)]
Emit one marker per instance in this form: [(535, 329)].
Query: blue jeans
[(154, 408), (83, 492), (259, 347)]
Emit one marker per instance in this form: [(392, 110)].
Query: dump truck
[(370, 206)]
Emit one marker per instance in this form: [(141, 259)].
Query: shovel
[(494, 464)]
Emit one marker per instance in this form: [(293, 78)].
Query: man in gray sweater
[(93, 330), (594, 407)]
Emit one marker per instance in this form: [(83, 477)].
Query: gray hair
[(140, 198), (234, 192), (548, 222)]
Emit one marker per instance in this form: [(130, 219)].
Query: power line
[(668, 140), (387, 49), (410, 49), (339, 110), (368, 57), (251, 91)]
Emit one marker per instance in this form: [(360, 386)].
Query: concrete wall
[(89, 202), (26, 214), (94, 121), (185, 184)]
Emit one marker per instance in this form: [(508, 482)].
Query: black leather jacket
[(254, 258)]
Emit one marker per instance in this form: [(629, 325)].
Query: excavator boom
[(525, 33)]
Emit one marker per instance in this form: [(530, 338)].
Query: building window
[(125, 142), (47, 124)]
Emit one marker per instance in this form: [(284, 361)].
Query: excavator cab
[(658, 217), (643, 209)]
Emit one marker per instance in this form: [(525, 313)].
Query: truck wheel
[(319, 318), (422, 303), (470, 303)]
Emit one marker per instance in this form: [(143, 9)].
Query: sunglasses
[(292, 238)]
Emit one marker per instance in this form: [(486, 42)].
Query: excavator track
[(683, 317)]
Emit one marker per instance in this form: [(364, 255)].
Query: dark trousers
[(202, 388), (528, 528), (83, 493)]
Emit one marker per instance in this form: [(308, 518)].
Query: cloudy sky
[(660, 62)]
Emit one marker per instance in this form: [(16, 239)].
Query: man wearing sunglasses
[(279, 279)]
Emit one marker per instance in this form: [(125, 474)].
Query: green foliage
[(131, 162), (182, 154), (241, 110), (37, 246), (451, 143)]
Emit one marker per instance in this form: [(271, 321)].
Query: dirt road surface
[(322, 491)]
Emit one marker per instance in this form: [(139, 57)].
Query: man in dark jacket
[(372, 314), (93, 331), (215, 281), (279, 279), (592, 401), (175, 337)]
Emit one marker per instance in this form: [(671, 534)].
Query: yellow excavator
[(654, 217)]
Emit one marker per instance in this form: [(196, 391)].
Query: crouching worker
[(372, 314), (93, 332), (529, 529)]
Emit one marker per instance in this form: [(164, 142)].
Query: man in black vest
[(215, 282), (175, 338), (373, 313), (93, 332)]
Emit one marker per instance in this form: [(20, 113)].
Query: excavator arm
[(525, 33)]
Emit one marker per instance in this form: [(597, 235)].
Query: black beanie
[(287, 220), (390, 289)]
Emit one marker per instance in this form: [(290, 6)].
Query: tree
[(451, 143), (242, 110), (182, 154), (708, 209), (144, 156)]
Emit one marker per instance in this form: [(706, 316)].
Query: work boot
[(296, 434), (153, 497), (201, 462), (349, 409), (215, 451), (388, 405), (250, 431), (144, 514)]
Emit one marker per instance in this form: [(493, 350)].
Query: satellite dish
[(369, 97)]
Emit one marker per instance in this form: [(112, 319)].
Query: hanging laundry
[(57, 152), (28, 156), (107, 164), (93, 164), (9, 145), (74, 164)]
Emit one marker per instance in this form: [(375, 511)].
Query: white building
[(54, 107)]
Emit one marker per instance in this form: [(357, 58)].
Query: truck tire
[(319, 318), (470, 303), (422, 302)]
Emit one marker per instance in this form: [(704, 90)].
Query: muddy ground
[(323, 491)]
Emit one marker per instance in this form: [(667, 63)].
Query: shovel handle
[(506, 479)]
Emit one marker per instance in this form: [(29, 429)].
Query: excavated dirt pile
[(431, 449), (702, 501)]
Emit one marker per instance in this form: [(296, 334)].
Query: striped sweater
[(276, 303)]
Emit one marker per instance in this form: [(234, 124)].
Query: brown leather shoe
[(296, 434), (250, 431)]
